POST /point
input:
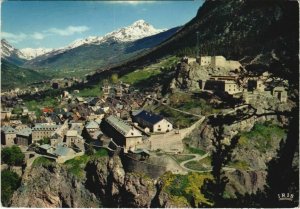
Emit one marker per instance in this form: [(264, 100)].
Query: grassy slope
[(14, 76)]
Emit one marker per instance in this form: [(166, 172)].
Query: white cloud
[(38, 36), (13, 38), (131, 2), (68, 31)]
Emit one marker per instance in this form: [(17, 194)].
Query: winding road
[(197, 157)]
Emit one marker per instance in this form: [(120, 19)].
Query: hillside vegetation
[(13, 76)]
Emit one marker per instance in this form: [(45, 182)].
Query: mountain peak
[(139, 29), (140, 22)]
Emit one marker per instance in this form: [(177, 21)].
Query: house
[(77, 126), (40, 131), (119, 91), (94, 101), (92, 126), (79, 100), (221, 84), (121, 132), (155, 123), (71, 136), (73, 139), (188, 60), (23, 137), (106, 90), (25, 111), (5, 115), (8, 135), (280, 93)]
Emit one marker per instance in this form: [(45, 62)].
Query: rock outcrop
[(243, 182), (52, 187)]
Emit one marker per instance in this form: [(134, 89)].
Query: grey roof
[(25, 132), (8, 130), (119, 124), (134, 113), (92, 124), (149, 117), (62, 150), (45, 146)]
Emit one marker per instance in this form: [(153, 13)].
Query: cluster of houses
[(65, 82), (231, 82), (63, 133)]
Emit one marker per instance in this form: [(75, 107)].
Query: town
[(120, 120)]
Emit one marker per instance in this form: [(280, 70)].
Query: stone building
[(121, 132), (280, 93), (23, 137), (40, 131), (221, 84), (155, 123), (5, 115), (215, 61), (92, 126), (8, 135), (74, 140)]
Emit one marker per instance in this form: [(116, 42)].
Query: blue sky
[(54, 24)]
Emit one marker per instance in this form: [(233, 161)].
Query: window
[(158, 126), (168, 125)]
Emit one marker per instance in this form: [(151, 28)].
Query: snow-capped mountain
[(30, 53), (8, 50), (139, 29), (97, 51), (10, 53)]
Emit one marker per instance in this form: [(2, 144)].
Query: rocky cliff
[(105, 184), (46, 187)]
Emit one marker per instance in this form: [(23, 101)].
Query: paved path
[(196, 158)]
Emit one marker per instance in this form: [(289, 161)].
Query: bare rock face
[(117, 175), (245, 181), (139, 190), (108, 180), (52, 187)]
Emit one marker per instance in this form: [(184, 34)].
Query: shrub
[(42, 161), (77, 164), (12, 156), (10, 181), (186, 187)]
